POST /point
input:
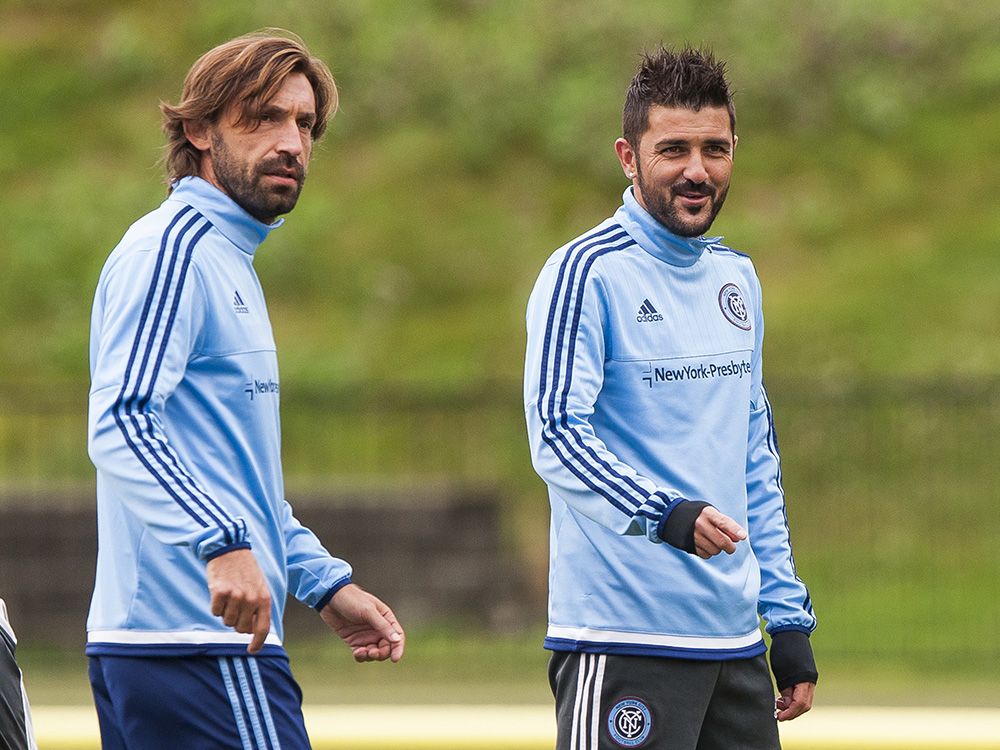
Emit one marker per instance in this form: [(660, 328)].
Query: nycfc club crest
[(629, 722), (734, 307)]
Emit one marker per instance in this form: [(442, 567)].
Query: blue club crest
[(629, 722)]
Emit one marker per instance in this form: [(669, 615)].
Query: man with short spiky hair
[(649, 422), (197, 546)]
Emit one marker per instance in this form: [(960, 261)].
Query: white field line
[(525, 726)]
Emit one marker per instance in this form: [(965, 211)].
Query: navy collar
[(227, 216), (655, 238)]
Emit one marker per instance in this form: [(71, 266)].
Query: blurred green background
[(474, 138)]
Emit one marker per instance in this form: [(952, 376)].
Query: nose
[(290, 139), (695, 170)]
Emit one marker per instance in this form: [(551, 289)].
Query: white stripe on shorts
[(589, 682), (596, 710)]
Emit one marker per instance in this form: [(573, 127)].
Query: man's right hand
[(715, 532), (240, 595)]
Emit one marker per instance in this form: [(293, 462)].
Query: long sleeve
[(564, 374), (148, 313), (314, 575), (784, 600)]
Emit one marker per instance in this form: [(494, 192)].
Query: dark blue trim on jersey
[(555, 297), (772, 446), (550, 424), (571, 353), (144, 401), (133, 407), (724, 249), (670, 652), (119, 402), (228, 548), (792, 628), (180, 649), (145, 434), (337, 586), (667, 512)]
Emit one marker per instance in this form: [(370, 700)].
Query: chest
[(667, 312), (236, 318)]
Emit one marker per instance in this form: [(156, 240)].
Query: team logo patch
[(629, 722), (734, 307)]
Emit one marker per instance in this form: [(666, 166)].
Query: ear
[(627, 157), (197, 132)]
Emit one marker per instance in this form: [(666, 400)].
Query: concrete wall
[(431, 554)]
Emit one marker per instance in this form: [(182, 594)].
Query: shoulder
[(734, 260), (724, 251), (170, 228), (595, 247), (161, 244)]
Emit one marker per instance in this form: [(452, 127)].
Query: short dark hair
[(691, 78)]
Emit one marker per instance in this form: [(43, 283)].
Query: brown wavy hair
[(245, 73)]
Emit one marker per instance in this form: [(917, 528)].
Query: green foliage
[(475, 137)]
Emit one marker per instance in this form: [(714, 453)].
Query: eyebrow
[(685, 142), (275, 109)]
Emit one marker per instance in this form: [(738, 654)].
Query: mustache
[(283, 165), (692, 188)]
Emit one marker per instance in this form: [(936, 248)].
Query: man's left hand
[(365, 623), (794, 701)]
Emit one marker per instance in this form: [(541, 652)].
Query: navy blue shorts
[(195, 702)]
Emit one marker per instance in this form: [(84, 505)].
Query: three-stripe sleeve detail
[(585, 729), (156, 322), (558, 352)]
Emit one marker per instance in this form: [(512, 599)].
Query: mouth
[(283, 177), (692, 200), (693, 197)]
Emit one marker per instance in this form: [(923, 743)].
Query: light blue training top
[(643, 390), (184, 432)]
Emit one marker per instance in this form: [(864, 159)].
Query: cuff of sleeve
[(792, 659), (219, 540), (223, 550), (325, 599), (676, 527)]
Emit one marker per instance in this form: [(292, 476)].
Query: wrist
[(677, 527), (792, 660), (330, 592)]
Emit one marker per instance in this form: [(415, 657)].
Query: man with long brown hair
[(198, 547)]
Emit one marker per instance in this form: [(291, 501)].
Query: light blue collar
[(655, 238), (226, 215)]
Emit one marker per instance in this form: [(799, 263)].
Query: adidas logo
[(239, 306), (647, 313)]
